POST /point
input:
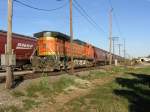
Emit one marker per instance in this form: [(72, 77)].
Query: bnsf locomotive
[(51, 51)]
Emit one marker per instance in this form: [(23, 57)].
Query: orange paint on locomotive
[(46, 46), (55, 46), (89, 51)]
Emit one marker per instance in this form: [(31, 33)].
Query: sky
[(130, 21)]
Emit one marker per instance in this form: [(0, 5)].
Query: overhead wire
[(118, 26), (76, 5), (40, 9), (83, 15), (88, 17), (115, 17)]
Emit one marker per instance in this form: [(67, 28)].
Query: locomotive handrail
[(33, 54)]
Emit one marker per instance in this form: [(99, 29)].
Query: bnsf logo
[(24, 46)]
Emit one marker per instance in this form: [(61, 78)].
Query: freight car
[(23, 46), (101, 56)]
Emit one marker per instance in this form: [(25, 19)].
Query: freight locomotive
[(50, 50), (54, 52)]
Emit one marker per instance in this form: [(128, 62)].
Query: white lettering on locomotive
[(24, 46)]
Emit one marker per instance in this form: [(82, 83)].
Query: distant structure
[(148, 56), (145, 60)]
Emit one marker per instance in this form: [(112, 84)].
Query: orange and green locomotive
[(53, 52)]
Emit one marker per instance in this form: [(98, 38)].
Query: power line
[(115, 18), (110, 4), (117, 24), (89, 18), (81, 13), (40, 9)]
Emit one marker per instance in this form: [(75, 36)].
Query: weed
[(18, 93), (46, 89), (95, 75), (29, 104), (119, 69), (10, 109), (31, 90), (121, 95), (62, 84), (100, 99)]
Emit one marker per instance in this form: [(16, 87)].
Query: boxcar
[(100, 56), (23, 46)]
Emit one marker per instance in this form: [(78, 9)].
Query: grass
[(100, 99), (129, 93), (46, 89), (29, 104), (101, 74), (42, 88), (10, 109), (118, 69), (18, 93), (145, 70), (95, 75)]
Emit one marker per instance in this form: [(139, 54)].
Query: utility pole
[(119, 46), (9, 73), (110, 36), (71, 39), (124, 52), (124, 48), (113, 41)]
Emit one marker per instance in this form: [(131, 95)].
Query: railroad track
[(25, 75), (55, 73)]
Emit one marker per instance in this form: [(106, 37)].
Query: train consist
[(49, 50)]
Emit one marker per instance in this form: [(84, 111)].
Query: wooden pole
[(119, 45), (113, 41), (110, 36), (124, 52), (124, 49), (71, 39), (9, 73)]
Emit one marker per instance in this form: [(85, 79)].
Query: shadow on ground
[(136, 90)]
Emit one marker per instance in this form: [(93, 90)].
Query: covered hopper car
[(23, 47)]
